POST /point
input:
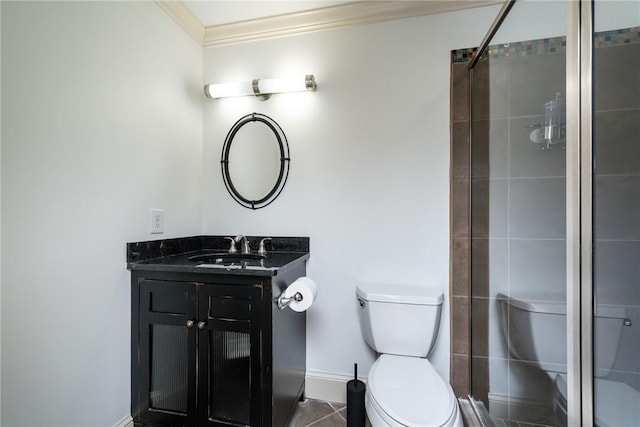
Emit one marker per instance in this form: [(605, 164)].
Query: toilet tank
[(399, 319), (535, 331)]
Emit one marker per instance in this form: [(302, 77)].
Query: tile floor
[(318, 413)]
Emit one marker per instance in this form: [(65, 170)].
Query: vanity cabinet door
[(167, 353), (229, 362)]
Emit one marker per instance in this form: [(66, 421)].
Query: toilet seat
[(616, 403), (408, 392)]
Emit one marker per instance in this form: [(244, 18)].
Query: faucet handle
[(261, 249), (232, 247)]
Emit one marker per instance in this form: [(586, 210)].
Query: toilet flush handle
[(627, 322), (361, 301)]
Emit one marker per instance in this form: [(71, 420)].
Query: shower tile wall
[(517, 190), (617, 190)]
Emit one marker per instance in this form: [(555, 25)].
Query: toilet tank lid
[(399, 294), (545, 303)]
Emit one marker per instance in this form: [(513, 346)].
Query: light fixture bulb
[(225, 90), (292, 84)]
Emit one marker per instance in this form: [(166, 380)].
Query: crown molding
[(340, 16), (183, 17)]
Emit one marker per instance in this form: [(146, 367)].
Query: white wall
[(370, 163), (101, 114)]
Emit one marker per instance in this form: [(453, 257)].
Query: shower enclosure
[(554, 237)]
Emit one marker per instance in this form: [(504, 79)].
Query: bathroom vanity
[(209, 345)]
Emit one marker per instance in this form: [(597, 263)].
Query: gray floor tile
[(310, 411), (333, 420), (338, 406), (318, 413)]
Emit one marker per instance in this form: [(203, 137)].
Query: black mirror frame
[(285, 161)]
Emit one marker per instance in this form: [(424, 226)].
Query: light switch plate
[(157, 221)]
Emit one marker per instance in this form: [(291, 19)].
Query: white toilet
[(403, 390)]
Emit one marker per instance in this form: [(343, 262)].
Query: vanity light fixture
[(262, 88)]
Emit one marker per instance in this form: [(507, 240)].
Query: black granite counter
[(174, 255)]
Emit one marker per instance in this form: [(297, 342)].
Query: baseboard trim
[(325, 386), (318, 385), (125, 422)]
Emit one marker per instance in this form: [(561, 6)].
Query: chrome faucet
[(245, 245)]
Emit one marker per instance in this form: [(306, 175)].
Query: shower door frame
[(579, 203), (580, 298)]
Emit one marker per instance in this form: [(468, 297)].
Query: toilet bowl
[(407, 391), (403, 389)]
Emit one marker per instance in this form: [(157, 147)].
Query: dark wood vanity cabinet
[(199, 354), (214, 350)]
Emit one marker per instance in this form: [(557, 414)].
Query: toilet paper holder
[(283, 301)]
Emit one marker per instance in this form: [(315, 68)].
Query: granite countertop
[(173, 255)]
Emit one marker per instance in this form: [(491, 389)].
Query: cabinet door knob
[(201, 325), (189, 323)]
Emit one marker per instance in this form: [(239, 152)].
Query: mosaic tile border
[(462, 55), (617, 37), (548, 45), (528, 48)]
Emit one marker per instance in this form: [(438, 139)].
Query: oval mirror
[(255, 161)]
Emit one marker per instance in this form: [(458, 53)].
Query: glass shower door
[(518, 217), (555, 215), (616, 213)]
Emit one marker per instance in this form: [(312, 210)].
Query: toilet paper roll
[(307, 288)]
